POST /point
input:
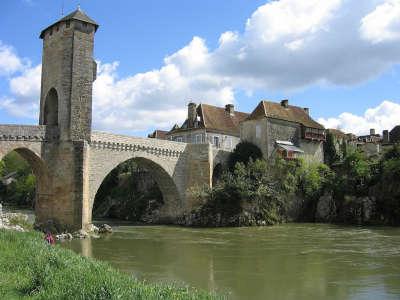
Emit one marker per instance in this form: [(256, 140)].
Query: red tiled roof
[(215, 119), (290, 113), (218, 119)]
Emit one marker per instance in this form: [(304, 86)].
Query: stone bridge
[(69, 160), (69, 174)]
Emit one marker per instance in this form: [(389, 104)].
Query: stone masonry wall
[(175, 166)]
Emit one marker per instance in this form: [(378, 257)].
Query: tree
[(330, 153), (242, 153)]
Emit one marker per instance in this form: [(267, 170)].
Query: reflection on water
[(292, 261)]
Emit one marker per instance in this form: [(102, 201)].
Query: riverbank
[(30, 268)]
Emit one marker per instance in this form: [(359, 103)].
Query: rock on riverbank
[(13, 221)]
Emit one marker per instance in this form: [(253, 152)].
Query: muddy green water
[(292, 261)]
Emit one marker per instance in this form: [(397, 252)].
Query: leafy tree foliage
[(122, 196), (243, 152), (330, 153), (20, 191)]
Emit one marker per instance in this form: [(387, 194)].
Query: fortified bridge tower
[(68, 72), (70, 161)]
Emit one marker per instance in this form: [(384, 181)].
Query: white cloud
[(385, 116), (156, 98), (290, 19), (27, 85), (293, 44), (9, 61), (13, 106), (383, 23)]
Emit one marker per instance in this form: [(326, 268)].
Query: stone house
[(158, 134), (372, 137), (284, 130), (206, 123)]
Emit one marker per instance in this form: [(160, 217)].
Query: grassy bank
[(30, 268)]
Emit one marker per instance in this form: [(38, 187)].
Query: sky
[(340, 58)]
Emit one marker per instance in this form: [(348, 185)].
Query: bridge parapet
[(32, 133), (102, 140)]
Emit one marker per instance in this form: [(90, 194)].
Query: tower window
[(50, 114)]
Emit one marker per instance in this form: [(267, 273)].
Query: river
[(290, 261)]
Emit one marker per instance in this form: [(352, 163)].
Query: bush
[(247, 196), (243, 152)]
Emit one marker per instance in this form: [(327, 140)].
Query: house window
[(198, 138), (258, 131), (67, 24), (179, 139), (216, 141)]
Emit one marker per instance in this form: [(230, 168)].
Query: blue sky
[(338, 57)]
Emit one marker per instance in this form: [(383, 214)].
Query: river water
[(290, 261)]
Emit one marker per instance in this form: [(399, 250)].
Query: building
[(394, 134), (372, 137), (284, 130), (158, 134), (209, 124)]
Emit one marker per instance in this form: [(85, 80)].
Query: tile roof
[(337, 132), (278, 111), (216, 119), (75, 15)]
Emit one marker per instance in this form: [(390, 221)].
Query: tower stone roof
[(75, 15)]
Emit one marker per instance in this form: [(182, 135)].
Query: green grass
[(31, 269)]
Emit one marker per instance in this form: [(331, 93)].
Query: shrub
[(243, 152)]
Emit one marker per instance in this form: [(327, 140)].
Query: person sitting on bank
[(49, 238)]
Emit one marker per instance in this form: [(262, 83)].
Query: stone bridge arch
[(164, 160), (159, 170), (30, 152)]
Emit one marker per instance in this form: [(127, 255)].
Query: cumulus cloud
[(383, 23), (284, 45), (385, 116), (9, 60), (292, 44), (157, 98)]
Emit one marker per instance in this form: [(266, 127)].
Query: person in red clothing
[(49, 238)]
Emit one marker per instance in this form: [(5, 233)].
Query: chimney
[(230, 109), (285, 103), (385, 136), (307, 110), (191, 114), (372, 131)]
